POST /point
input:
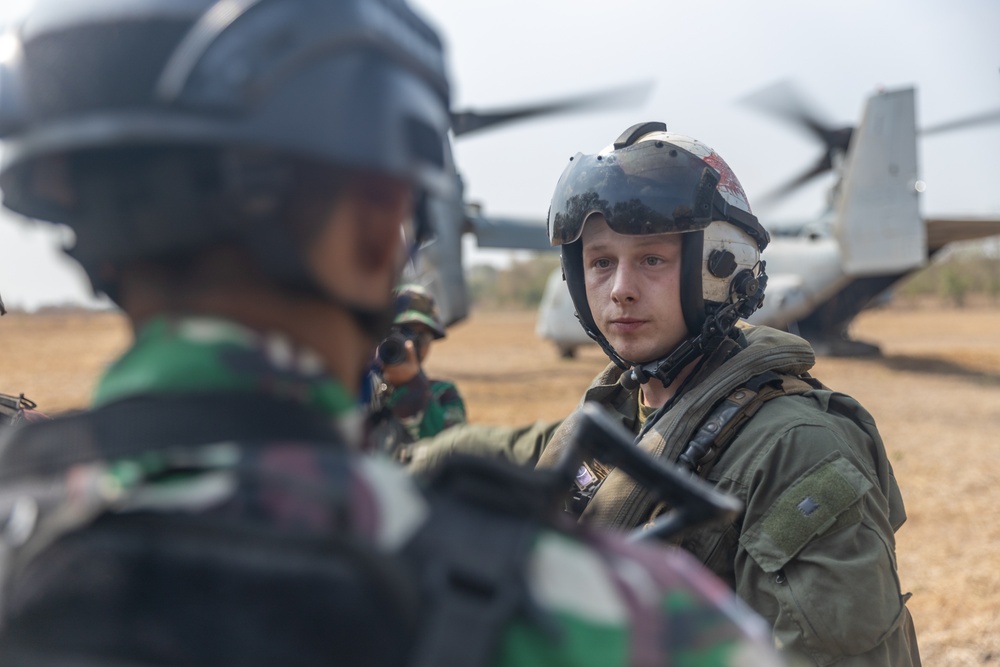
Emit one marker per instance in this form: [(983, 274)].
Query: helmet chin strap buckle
[(665, 369), (634, 377), (715, 329)]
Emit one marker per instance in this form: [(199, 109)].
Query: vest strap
[(725, 422)]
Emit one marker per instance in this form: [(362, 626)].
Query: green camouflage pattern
[(426, 407), (176, 355), (619, 603)]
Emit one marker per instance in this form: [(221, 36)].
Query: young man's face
[(633, 288)]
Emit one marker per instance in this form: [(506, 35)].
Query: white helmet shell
[(729, 186)]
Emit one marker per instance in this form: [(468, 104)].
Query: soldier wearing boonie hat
[(422, 406)]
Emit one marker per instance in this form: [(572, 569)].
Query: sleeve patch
[(824, 499)]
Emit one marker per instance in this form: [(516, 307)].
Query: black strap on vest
[(150, 423), (724, 423), (729, 417)]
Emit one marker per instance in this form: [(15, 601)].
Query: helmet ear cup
[(728, 261)]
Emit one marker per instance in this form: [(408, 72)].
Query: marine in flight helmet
[(229, 96), (651, 181)]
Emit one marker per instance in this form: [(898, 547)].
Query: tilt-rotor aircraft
[(823, 273)]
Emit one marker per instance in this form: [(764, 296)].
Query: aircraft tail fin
[(878, 226)]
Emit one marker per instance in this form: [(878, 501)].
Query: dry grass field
[(935, 393)]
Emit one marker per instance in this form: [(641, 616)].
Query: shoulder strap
[(150, 423), (729, 417)]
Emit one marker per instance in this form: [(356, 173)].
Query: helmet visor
[(651, 187)]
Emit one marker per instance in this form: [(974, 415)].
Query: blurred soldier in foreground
[(241, 177), (407, 404)]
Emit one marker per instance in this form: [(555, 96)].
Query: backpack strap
[(729, 417), (144, 424)]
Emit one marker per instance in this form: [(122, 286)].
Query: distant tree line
[(965, 272), (520, 285), (970, 270)]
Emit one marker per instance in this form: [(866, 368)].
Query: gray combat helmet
[(232, 90)]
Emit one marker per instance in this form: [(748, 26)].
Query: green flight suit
[(814, 550)]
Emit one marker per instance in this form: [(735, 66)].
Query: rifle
[(694, 502)]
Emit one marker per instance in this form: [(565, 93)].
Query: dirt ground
[(935, 393)]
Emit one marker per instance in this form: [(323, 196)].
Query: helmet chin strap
[(666, 369), (717, 327)]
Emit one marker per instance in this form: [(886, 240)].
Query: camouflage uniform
[(814, 551), (611, 603), (424, 406)]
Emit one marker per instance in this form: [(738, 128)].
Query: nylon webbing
[(725, 422), (143, 424)]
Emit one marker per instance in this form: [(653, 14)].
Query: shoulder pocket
[(824, 499)]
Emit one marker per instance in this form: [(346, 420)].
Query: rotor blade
[(821, 166), (784, 100), (510, 233), (466, 122), (985, 118)]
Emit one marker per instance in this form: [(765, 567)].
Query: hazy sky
[(703, 56)]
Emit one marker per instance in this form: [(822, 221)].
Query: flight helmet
[(651, 181), (155, 127)]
